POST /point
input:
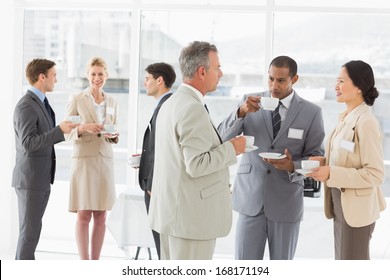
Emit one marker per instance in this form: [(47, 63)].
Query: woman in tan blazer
[(92, 186), (353, 169)]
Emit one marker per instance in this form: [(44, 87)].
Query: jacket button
[(268, 171), (342, 190)]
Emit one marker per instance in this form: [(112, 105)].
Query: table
[(128, 221)]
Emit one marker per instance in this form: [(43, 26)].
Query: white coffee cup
[(269, 103), (249, 141), (110, 128), (135, 160), (309, 164), (73, 119)]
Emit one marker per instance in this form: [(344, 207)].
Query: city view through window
[(72, 37)]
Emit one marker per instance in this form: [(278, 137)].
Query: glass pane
[(241, 51), (71, 38), (336, 3), (321, 49), (208, 2)]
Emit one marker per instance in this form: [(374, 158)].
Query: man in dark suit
[(35, 136), (159, 79)]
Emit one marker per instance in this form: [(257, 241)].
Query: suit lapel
[(328, 146), (266, 116), (189, 91), (42, 106), (89, 105), (292, 112), (350, 134), (110, 109), (152, 121)]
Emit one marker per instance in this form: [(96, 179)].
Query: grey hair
[(193, 56)]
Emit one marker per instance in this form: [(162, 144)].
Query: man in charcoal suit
[(159, 79), (35, 164)]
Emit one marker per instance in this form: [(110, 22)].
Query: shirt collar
[(287, 100), (161, 97), (198, 93), (93, 99), (38, 93)]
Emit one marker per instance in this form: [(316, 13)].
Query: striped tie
[(276, 120)]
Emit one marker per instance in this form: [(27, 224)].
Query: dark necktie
[(49, 111), (219, 136), (53, 153), (276, 120)]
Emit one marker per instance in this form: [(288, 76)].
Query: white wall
[(8, 208)]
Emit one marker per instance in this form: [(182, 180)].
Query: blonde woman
[(92, 186), (353, 168)]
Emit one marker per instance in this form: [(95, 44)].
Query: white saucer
[(250, 149), (109, 134), (272, 155), (303, 171), (106, 132)]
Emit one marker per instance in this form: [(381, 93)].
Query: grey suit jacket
[(258, 184), (35, 137), (191, 197)]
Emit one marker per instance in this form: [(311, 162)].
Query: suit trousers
[(175, 248), (252, 233), (32, 205), (350, 243), (156, 235)]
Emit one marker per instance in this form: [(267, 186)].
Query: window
[(239, 38), (321, 49), (336, 3), (129, 35), (71, 38)]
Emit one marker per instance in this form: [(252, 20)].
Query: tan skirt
[(92, 184)]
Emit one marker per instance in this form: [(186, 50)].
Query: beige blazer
[(191, 197), (88, 144), (360, 170)]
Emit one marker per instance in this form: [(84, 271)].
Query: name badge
[(294, 133), (110, 111), (347, 145)]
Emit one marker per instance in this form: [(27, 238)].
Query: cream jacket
[(88, 144), (359, 171)]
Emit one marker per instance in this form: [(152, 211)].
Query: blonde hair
[(97, 61)]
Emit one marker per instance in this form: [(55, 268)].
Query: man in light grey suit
[(268, 193), (191, 202), (35, 136)]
